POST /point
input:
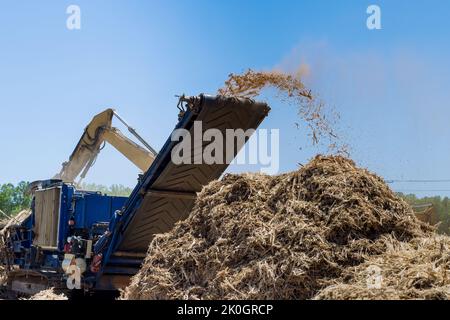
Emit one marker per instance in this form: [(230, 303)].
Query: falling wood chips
[(295, 236), (319, 120)]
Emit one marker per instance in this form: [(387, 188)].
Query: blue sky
[(390, 86)]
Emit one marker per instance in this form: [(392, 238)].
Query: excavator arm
[(131, 150), (99, 131)]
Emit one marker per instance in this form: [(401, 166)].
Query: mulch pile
[(419, 269), (48, 294), (3, 275), (307, 234), (3, 223)]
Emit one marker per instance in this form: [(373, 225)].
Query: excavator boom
[(132, 151), (99, 131)]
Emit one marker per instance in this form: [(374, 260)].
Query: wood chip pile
[(49, 294), (312, 233)]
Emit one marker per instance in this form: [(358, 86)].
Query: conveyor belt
[(167, 192)]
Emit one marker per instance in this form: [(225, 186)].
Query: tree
[(116, 190), (14, 199)]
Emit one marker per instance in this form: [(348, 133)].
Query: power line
[(422, 190), (419, 181)]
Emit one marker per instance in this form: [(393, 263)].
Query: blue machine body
[(82, 214)]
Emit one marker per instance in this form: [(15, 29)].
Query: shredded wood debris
[(320, 120), (419, 269), (290, 236), (49, 294)]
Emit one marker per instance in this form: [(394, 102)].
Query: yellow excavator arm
[(426, 213), (99, 131)]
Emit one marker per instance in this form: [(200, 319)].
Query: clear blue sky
[(391, 86)]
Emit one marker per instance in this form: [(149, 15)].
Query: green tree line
[(116, 190), (14, 198)]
